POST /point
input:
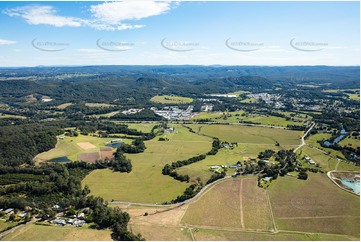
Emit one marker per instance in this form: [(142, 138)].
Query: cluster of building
[(174, 112), (78, 221), (132, 111), (310, 160), (267, 98)]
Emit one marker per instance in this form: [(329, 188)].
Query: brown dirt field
[(170, 218), (218, 235), (106, 149), (220, 206), (318, 196), (315, 205), (162, 233), (256, 211), (337, 225), (89, 157), (106, 154), (86, 145)]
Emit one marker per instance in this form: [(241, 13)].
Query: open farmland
[(312, 140), (142, 127), (4, 225), (316, 205), (236, 209), (224, 157), (353, 142), (72, 147), (229, 235), (166, 99), (99, 105), (236, 203), (250, 135), (326, 162), (64, 105), (32, 232), (146, 183)]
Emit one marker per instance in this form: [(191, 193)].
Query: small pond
[(60, 159), (354, 185), (114, 145)]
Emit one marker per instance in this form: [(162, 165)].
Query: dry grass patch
[(219, 235), (315, 205), (220, 206), (256, 211), (89, 157), (86, 145), (32, 232), (162, 233)]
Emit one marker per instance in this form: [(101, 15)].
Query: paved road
[(303, 137)]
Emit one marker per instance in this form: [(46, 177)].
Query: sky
[(177, 33)]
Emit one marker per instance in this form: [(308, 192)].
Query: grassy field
[(108, 115), (236, 117), (352, 142), (250, 135), (312, 140), (143, 127), (4, 225), (166, 99), (146, 183), (99, 105), (236, 203), (70, 148), (225, 157), (316, 205), (11, 116), (223, 235), (249, 100), (161, 233), (64, 105), (326, 162), (346, 166), (32, 232)]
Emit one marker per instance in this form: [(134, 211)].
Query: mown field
[(32, 232), (98, 105), (145, 183), (236, 209), (250, 135), (224, 235), (166, 99), (315, 205), (71, 147), (242, 116), (235, 203)]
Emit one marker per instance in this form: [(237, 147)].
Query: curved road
[(303, 137)]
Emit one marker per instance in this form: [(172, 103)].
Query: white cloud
[(104, 16), (7, 42), (116, 12), (43, 15)]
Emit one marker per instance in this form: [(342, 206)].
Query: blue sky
[(200, 33)]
